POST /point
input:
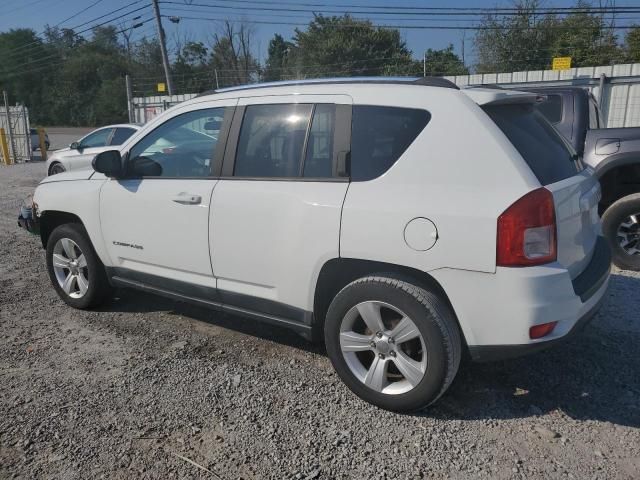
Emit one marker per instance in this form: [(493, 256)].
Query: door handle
[(185, 198)]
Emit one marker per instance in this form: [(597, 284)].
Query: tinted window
[(380, 135), (541, 146), (98, 138), (318, 161), (272, 140), (121, 135), (183, 146), (551, 108)]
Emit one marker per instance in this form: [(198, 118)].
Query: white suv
[(404, 221)]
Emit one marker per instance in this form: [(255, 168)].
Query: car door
[(275, 216), (89, 147), (155, 220)]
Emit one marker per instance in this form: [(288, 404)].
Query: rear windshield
[(547, 154)]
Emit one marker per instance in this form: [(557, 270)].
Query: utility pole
[(424, 63), (216, 72), (163, 46), (127, 80), (10, 127)]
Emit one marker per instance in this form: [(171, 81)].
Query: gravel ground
[(145, 386)]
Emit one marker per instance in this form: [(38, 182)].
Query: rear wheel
[(621, 226), (76, 272), (56, 168), (395, 345)]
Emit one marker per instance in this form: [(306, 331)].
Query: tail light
[(527, 231)]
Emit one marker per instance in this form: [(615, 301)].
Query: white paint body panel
[(269, 239)]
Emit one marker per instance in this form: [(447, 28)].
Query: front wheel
[(394, 344), (621, 227), (76, 272), (56, 168)]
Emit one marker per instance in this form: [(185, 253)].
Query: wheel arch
[(337, 273), (619, 178), (51, 219)]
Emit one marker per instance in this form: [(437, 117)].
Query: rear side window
[(547, 154), (121, 135), (551, 108), (380, 135), (272, 140)]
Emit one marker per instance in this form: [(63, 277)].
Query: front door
[(156, 220), (275, 216)]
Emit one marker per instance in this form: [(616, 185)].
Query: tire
[(70, 243), (439, 342), (56, 168), (623, 233)]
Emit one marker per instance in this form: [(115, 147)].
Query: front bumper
[(496, 311)]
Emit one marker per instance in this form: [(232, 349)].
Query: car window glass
[(98, 138), (380, 135), (121, 135), (551, 108), (542, 147), (183, 146), (318, 161), (272, 140)]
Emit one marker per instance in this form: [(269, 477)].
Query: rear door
[(575, 190), (275, 215)]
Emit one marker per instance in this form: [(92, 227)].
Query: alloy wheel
[(383, 347), (628, 234), (70, 268)]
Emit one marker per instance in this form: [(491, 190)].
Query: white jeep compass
[(403, 221)]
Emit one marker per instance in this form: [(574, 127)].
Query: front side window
[(183, 146), (272, 139), (380, 135), (98, 138), (121, 135)]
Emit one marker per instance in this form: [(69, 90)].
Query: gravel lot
[(145, 386)]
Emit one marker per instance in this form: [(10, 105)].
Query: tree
[(343, 46), (632, 44), (444, 62), (232, 56), (278, 51)]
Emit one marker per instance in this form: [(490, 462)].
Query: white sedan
[(80, 153)]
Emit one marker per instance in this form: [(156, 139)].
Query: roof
[(497, 96), (420, 81)]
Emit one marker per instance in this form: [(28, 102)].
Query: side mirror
[(212, 125), (144, 167), (108, 163), (75, 146)]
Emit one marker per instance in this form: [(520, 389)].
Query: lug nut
[(372, 344), (392, 353), (391, 340), (379, 334), (381, 355)]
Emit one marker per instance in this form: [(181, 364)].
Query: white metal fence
[(145, 108), (17, 132), (616, 87)]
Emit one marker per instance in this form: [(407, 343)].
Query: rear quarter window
[(380, 135), (549, 157), (551, 108)]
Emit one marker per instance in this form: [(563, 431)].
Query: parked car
[(80, 153), (402, 221), (614, 154), (35, 139)]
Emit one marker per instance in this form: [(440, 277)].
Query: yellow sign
[(162, 87), (561, 63)]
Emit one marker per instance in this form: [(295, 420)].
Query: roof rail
[(422, 81)]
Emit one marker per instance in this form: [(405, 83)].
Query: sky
[(37, 13)]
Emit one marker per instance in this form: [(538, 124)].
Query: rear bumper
[(497, 310)]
